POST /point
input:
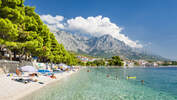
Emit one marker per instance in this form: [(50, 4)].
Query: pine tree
[(23, 33)]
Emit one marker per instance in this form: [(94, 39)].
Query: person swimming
[(142, 82), (116, 77)]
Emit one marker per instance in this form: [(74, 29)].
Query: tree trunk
[(10, 55), (26, 57), (15, 56), (21, 55), (43, 59), (3, 53)]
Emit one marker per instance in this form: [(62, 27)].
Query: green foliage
[(99, 62), (96, 63), (23, 32), (116, 61), (0, 3), (81, 63), (174, 62), (12, 3), (167, 63), (8, 31)]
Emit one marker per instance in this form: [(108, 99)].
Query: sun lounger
[(40, 82), (23, 80)]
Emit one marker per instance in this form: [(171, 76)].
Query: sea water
[(112, 84)]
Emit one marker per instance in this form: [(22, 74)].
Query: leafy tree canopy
[(23, 32), (116, 61)]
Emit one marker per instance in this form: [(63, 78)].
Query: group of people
[(31, 77), (128, 77)]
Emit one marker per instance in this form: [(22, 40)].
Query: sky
[(151, 24)]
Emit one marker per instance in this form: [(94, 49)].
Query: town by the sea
[(113, 84)]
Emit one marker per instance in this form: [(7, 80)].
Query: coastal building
[(128, 63), (86, 59)]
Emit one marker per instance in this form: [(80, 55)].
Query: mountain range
[(104, 46)]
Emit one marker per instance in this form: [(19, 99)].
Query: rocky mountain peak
[(104, 46)]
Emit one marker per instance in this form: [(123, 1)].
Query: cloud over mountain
[(95, 26), (54, 23)]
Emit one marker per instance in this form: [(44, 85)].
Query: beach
[(12, 90)]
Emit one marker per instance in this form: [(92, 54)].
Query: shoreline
[(12, 90)]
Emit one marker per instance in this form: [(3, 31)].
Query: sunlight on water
[(95, 85)]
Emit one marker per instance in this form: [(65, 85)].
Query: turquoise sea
[(159, 84)]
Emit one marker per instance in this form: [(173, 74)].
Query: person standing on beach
[(18, 72)]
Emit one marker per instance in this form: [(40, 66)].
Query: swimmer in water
[(142, 82), (116, 77), (88, 70), (107, 75)]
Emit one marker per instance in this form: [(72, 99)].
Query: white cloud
[(95, 26), (54, 23)]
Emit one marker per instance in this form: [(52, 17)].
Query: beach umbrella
[(28, 69)]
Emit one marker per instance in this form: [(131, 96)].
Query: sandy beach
[(12, 90)]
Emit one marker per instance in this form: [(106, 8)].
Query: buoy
[(129, 77)]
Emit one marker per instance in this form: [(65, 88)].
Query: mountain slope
[(104, 46), (72, 42)]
